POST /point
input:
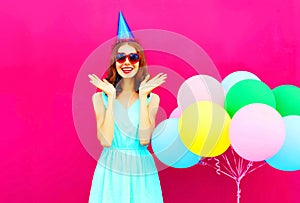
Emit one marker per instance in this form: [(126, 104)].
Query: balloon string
[(257, 167), (239, 190), (233, 154), (223, 166), (248, 167), (244, 164), (229, 165), (238, 168), (241, 166), (221, 171), (238, 161), (227, 170), (241, 171), (217, 166)]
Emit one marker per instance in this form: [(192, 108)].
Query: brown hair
[(112, 75)]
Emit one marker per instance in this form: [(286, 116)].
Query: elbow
[(145, 137), (105, 143), (144, 142)]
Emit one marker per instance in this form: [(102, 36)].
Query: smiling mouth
[(127, 70)]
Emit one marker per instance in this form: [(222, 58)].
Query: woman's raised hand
[(103, 85), (147, 85)]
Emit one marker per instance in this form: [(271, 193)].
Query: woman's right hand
[(104, 85)]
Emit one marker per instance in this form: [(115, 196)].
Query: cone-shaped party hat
[(124, 31)]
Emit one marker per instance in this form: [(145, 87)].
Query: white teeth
[(127, 69)]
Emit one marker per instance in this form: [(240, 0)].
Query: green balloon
[(248, 92), (287, 100)]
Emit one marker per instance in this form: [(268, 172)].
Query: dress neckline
[(129, 106)]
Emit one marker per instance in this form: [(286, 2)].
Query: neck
[(128, 85)]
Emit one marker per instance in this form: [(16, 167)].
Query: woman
[(125, 113)]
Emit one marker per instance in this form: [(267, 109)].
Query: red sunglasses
[(133, 57)]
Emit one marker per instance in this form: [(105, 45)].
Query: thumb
[(147, 77), (145, 80)]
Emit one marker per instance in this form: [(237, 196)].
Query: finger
[(157, 85), (106, 82), (155, 77), (95, 84), (145, 80), (158, 75), (147, 77), (98, 83), (158, 82), (163, 79), (95, 79), (91, 76), (164, 75), (95, 76)]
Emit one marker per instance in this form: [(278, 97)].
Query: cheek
[(137, 65), (137, 68), (118, 68), (118, 65)]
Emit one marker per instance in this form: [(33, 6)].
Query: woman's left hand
[(147, 85)]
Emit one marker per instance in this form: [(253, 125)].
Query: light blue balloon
[(288, 157), (236, 77), (168, 147)]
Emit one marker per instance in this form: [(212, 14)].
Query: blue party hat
[(124, 31)]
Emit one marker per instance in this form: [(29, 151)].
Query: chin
[(131, 75)]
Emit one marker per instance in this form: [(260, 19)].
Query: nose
[(127, 61)]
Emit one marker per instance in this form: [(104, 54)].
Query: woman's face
[(128, 67)]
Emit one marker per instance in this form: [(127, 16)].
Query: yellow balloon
[(204, 128)]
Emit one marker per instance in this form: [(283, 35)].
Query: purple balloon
[(257, 132), (176, 113)]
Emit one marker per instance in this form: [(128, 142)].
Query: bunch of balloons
[(259, 123)]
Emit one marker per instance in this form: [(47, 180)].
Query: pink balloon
[(176, 113), (200, 88), (257, 132)]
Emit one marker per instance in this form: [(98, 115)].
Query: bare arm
[(147, 117), (148, 113), (104, 119)]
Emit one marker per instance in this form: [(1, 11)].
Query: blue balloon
[(168, 147), (236, 77), (288, 157)]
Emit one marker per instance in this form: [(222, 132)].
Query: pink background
[(43, 45)]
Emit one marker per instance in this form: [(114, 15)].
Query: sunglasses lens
[(121, 57), (134, 58)]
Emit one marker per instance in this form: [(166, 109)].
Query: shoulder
[(97, 97), (154, 100)]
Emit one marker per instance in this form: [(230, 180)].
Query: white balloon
[(200, 88)]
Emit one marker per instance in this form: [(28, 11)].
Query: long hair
[(112, 75)]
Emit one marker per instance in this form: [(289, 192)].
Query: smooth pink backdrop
[(43, 45)]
